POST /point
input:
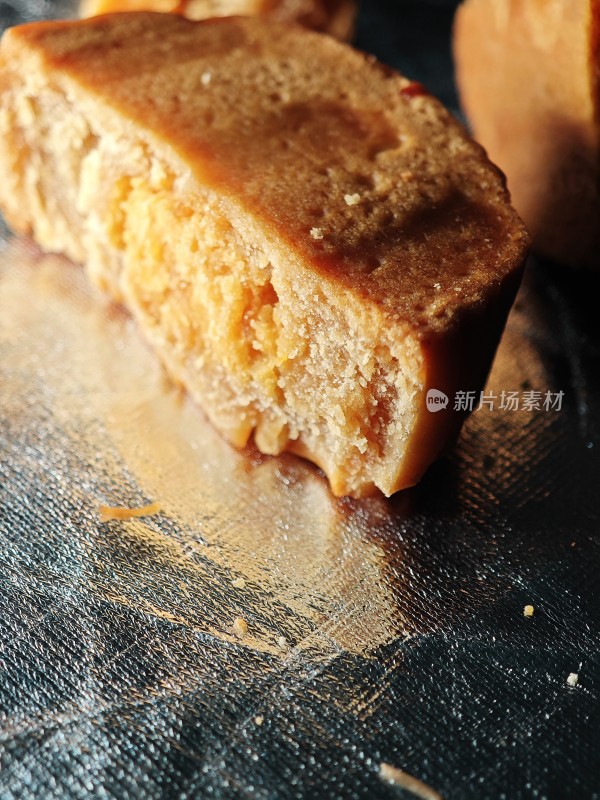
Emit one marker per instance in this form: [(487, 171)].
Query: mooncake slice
[(309, 241)]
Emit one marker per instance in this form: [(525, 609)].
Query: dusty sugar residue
[(240, 628)]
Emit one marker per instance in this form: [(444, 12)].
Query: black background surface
[(474, 702)]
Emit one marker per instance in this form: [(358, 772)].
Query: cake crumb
[(206, 78), (316, 233), (238, 583), (397, 777), (573, 679), (528, 611), (259, 720), (239, 627), (107, 513), (352, 199), (282, 642)]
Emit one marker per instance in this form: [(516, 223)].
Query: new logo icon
[(436, 400)]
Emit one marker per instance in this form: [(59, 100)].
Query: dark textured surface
[(405, 639)]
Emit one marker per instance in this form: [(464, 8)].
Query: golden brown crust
[(528, 77), (395, 231), (433, 232), (335, 17)]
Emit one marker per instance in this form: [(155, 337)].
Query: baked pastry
[(528, 72), (309, 240), (335, 17)]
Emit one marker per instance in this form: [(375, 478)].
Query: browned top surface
[(291, 122)]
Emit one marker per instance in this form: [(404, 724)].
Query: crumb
[(259, 720), (573, 679), (397, 777), (239, 627), (316, 233), (238, 583), (407, 176), (206, 78), (352, 199), (282, 642), (107, 513), (528, 611), (437, 286)]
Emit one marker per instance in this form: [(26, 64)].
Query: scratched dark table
[(379, 631)]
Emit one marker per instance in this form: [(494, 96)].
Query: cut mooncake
[(529, 78), (309, 240)]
